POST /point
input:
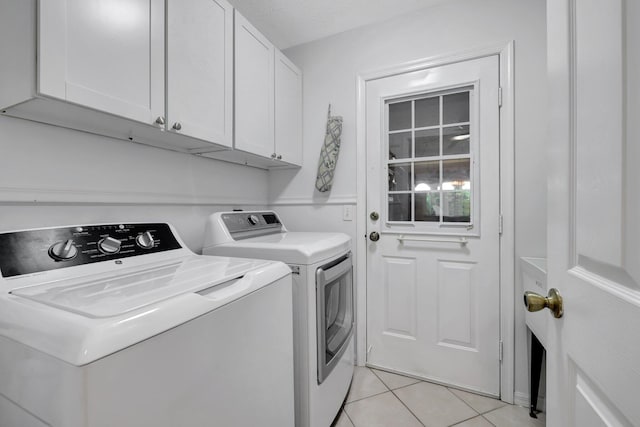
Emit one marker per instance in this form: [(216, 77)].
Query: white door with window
[(593, 350), (433, 200)]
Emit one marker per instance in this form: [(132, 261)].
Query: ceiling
[(292, 22)]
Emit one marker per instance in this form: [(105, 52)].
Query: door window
[(430, 165)]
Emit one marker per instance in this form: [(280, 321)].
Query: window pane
[(400, 145), (427, 112), (428, 143), (457, 207), (400, 115), (455, 108), (455, 140), (455, 174), (399, 207), (428, 206), (427, 176), (456, 184), (400, 177)]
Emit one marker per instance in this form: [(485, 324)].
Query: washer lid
[(115, 294), (303, 248), (84, 319)]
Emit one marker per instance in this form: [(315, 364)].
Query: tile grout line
[(478, 412), (366, 397), (404, 404), (483, 417), (463, 401), (396, 396), (344, 411)]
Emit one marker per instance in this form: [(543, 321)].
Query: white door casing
[(433, 304), (593, 238)]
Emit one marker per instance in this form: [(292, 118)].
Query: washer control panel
[(31, 251)]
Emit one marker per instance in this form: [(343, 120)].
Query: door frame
[(505, 53)]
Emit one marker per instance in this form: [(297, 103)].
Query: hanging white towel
[(329, 153)]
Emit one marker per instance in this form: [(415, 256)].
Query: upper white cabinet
[(200, 69), (288, 110), (268, 103), (254, 89), (106, 55), (101, 68), (187, 75)]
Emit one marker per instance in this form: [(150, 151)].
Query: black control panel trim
[(26, 252)]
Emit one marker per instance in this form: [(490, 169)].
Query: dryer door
[(334, 311)]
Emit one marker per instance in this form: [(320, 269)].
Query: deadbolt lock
[(374, 215)]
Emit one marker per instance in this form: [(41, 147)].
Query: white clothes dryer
[(323, 302), (122, 325)]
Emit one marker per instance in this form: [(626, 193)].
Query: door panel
[(456, 305), (433, 174), (400, 286), (593, 252)]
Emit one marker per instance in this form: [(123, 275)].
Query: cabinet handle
[(177, 126), (160, 121), (279, 157)]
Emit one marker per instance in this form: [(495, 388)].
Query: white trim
[(507, 210), (505, 52), (300, 201), (57, 195)]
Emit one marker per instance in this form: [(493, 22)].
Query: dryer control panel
[(244, 225), (32, 251)]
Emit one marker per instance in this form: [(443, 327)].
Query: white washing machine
[(122, 325), (323, 308)]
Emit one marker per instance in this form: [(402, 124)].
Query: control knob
[(145, 240), (109, 245), (253, 219), (63, 251)]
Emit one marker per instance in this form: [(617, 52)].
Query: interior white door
[(106, 55), (593, 351), (200, 68), (433, 181)]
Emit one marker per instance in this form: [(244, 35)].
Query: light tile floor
[(383, 399)]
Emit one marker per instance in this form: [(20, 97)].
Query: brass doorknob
[(536, 302), (374, 236)]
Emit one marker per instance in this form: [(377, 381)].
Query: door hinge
[(500, 224), (499, 97), (500, 351)]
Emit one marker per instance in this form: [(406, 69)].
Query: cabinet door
[(288, 110), (106, 55), (199, 69), (253, 89)]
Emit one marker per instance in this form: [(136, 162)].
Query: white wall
[(330, 67), (54, 176)]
